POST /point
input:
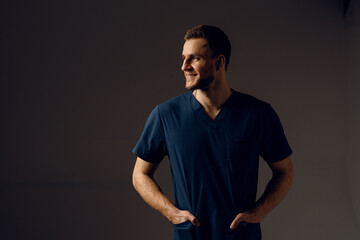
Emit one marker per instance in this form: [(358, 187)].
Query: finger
[(238, 219), (196, 222), (193, 220)]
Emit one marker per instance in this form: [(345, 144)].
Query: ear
[(220, 62)]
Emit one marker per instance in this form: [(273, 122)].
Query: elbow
[(135, 179), (290, 175), (138, 179)]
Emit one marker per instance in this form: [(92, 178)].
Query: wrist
[(171, 213), (259, 212)]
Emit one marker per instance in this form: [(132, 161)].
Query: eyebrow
[(194, 54)]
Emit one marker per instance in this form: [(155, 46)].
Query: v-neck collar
[(204, 117)]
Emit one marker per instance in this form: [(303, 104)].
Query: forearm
[(275, 191), (150, 191)]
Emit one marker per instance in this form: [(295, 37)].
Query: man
[(213, 136)]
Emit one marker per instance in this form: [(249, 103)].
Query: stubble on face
[(201, 83)]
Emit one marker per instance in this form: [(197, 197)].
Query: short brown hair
[(218, 42)]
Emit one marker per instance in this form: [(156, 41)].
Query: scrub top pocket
[(184, 230), (237, 152)]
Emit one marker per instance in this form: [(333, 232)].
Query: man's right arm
[(149, 190)]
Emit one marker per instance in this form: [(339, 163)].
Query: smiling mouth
[(190, 76)]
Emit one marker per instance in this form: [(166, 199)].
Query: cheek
[(209, 70), (203, 69)]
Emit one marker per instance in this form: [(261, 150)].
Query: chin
[(191, 85), (203, 85)]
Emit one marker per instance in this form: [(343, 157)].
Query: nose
[(185, 66)]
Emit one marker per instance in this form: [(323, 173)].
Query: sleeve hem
[(146, 158), (280, 157)]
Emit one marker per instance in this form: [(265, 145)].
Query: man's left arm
[(276, 189)]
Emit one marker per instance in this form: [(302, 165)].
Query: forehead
[(196, 46)]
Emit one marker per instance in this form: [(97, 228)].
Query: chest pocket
[(238, 154)]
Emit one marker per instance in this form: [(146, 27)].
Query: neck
[(213, 97)]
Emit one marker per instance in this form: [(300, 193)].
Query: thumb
[(194, 220), (238, 219)]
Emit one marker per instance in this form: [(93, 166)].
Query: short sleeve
[(274, 145), (151, 146)]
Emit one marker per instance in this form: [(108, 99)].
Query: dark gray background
[(79, 78)]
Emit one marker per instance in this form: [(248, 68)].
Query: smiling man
[(213, 136)]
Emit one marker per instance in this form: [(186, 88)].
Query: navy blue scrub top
[(214, 163)]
